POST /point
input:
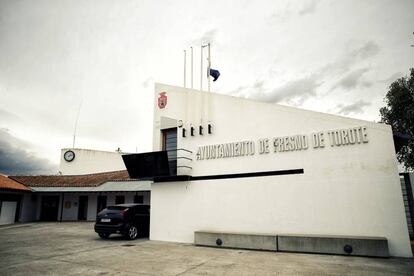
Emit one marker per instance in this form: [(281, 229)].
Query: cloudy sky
[(104, 57)]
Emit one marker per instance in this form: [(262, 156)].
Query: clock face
[(69, 155)]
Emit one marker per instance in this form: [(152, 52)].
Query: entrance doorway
[(101, 203), (49, 208), (83, 208), (169, 143)]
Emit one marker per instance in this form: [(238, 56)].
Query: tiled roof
[(86, 180), (9, 184)]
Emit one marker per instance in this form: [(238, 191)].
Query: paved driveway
[(74, 249)]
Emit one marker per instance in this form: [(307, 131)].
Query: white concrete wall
[(91, 161), (345, 190)]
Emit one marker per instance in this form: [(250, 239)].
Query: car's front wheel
[(132, 233), (103, 235)]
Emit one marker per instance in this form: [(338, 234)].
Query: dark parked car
[(130, 220)]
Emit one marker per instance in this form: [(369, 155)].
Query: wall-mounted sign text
[(332, 138)]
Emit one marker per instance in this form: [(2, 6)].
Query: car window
[(120, 208)]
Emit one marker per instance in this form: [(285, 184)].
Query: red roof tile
[(10, 184), (86, 180)]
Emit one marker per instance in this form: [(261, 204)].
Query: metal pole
[(185, 55), (76, 123), (192, 67), (201, 70), (209, 65), (61, 207)]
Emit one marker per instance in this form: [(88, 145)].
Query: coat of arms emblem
[(162, 100)]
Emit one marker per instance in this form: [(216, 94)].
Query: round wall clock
[(69, 156)]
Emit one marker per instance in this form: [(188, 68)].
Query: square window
[(119, 199), (139, 199)]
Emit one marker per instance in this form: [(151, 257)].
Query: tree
[(399, 113)]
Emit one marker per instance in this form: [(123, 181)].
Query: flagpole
[(201, 83), (76, 122), (209, 65), (192, 67), (201, 72), (185, 56), (209, 78)]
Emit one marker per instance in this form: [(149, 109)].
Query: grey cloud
[(368, 50), (283, 14), (8, 117), (353, 79), (246, 90), (208, 37), (351, 58), (258, 86), (295, 92), (15, 159), (279, 16), (355, 108), (393, 77), (309, 7)]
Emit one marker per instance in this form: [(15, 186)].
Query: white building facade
[(76, 161), (266, 168)]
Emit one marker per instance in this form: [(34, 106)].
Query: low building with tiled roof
[(11, 195), (86, 180), (11, 185), (78, 197)]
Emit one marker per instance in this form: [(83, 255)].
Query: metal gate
[(407, 192)]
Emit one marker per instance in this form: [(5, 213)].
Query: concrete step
[(338, 245), (235, 240), (322, 244)]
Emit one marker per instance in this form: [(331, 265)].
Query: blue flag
[(215, 74)]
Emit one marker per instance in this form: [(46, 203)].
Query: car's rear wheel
[(132, 233), (103, 235)]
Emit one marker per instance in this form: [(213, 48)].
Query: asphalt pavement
[(73, 248)]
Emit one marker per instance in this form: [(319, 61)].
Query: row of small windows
[(200, 130), (120, 199), (139, 199)]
